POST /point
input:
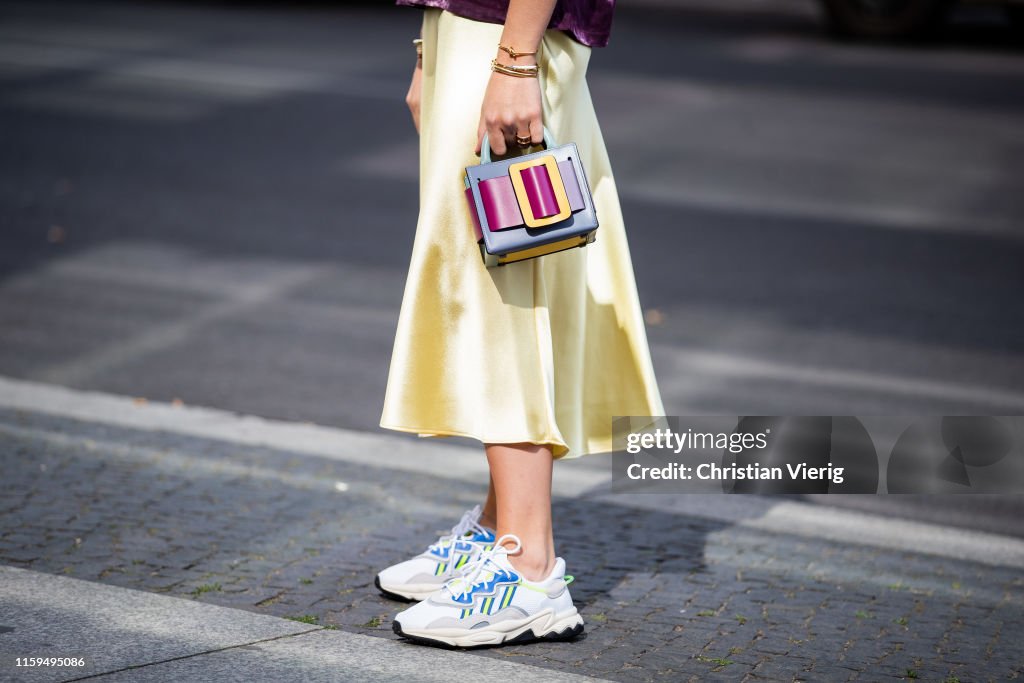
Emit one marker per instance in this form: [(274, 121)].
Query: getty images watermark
[(819, 454)]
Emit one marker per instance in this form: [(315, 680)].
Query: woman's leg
[(521, 484), (489, 516)]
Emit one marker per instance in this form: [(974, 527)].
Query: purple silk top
[(587, 21)]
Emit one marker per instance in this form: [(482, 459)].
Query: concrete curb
[(129, 635)]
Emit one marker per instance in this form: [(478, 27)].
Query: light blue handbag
[(530, 205)]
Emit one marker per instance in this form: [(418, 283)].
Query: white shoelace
[(468, 523), (481, 569)]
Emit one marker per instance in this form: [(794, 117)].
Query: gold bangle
[(517, 71), (517, 74), (531, 68), (511, 52), (418, 43)]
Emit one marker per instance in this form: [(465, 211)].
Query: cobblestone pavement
[(665, 596)]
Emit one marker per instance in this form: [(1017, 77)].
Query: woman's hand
[(412, 98), (511, 107)]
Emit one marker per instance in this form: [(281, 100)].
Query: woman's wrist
[(515, 61), (512, 53), (505, 60), (525, 71), (525, 24)]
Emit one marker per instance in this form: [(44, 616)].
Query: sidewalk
[(241, 522), (126, 635)]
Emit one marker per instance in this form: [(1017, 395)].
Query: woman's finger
[(412, 96), (511, 133), (537, 130), (481, 130), (496, 135)]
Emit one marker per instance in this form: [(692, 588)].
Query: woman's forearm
[(511, 110), (525, 24)]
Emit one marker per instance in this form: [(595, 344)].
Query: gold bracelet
[(522, 68), (418, 42), (498, 68), (511, 52), (531, 71)]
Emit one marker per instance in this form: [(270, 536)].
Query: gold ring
[(524, 140)]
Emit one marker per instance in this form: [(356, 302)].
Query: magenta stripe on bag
[(539, 191), (502, 207)]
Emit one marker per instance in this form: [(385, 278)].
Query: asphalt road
[(295, 521), (215, 203)]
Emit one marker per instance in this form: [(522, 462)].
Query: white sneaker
[(417, 578), (490, 603)]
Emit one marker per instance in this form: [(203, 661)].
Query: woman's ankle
[(534, 566), (488, 521)]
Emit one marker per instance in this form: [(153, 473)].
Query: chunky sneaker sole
[(406, 592), (544, 626), (489, 603), (423, 575)]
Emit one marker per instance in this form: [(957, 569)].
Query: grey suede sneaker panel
[(479, 620)]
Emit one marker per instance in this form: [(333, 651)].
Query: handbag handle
[(485, 145)]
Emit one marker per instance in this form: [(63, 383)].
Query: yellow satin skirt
[(544, 351)]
